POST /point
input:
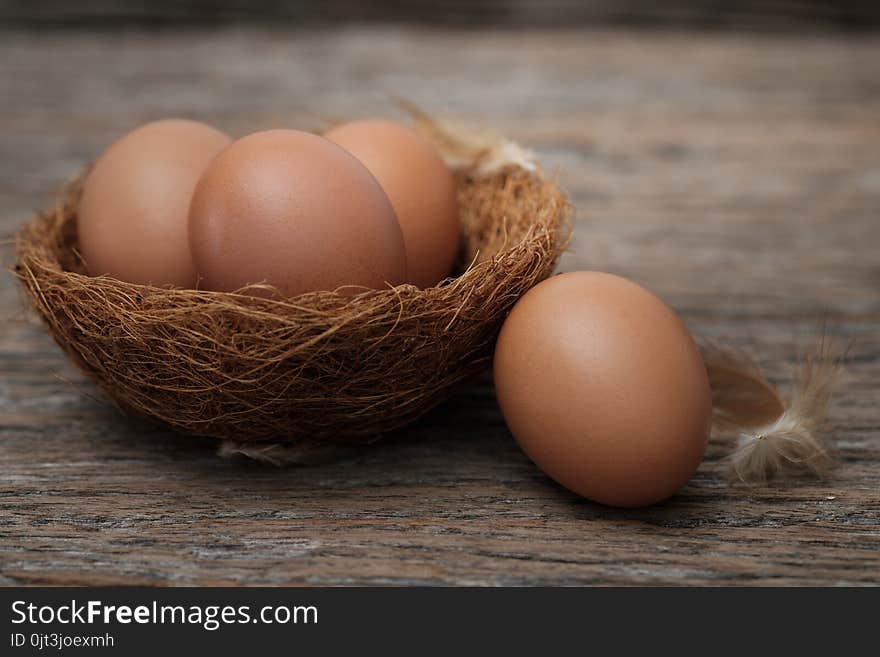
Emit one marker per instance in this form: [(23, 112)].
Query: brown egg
[(420, 187), (294, 210), (133, 214), (603, 388)]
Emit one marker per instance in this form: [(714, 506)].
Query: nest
[(317, 367)]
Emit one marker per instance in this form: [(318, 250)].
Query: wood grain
[(787, 16), (737, 176)]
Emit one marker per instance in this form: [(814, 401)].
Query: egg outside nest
[(319, 367)]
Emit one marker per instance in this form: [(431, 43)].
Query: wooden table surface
[(736, 175)]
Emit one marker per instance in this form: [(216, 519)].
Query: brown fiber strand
[(318, 367)]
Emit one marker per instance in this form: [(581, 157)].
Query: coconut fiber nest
[(317, 367)]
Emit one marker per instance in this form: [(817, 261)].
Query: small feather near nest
[(464, 147), (286, 454), (774, 437)]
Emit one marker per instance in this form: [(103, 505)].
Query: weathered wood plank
[(737, 176), (791, 15)]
